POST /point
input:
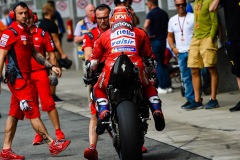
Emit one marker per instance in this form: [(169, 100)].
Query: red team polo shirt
[(90, 39), (20, 54), (43, 43)]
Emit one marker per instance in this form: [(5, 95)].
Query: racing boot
[(103, 115), (157, 113)]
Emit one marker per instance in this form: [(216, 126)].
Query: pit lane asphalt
[(75, 127)]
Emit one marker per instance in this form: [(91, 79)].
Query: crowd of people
[(32, 80)]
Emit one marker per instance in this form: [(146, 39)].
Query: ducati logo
[(123, 67), (120, 16)]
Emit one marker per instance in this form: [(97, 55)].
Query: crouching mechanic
[(101, 17), (39, 77), (123, 37), (16, 48)]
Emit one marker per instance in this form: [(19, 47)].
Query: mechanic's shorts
[(41, 88), (202, 53), (234, 56), (22, 90)]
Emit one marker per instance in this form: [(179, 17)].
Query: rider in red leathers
[(134, 42)]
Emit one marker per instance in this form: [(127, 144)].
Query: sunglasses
[(181, 4)]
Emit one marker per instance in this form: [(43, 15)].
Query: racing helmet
[(120, 13), (117, 2)]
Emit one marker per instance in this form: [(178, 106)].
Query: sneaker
[(211, 104), (57, 146), (7, 154), (235, 108), (186, 104), (194, 105), (37, 139), (56, 98), (159, 120), (104, 117), (169, 90), (161, 91), (144, 149), (91, 153), (59, 135)]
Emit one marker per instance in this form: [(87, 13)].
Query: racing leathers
[(122, 37)]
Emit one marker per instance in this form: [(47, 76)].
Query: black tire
[(129, 131)]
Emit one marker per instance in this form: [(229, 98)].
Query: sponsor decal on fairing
[(122, 32), (123, 42)]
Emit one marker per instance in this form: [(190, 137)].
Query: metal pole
[(72, 16)]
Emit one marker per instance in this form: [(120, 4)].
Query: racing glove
[(150, 65), (90, 77), (91, 66)]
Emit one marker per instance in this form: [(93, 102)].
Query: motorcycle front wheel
[(129, 131)]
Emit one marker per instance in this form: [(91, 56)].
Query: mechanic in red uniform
[(16, 46), (39, 77), (123, 37), (101, 17)]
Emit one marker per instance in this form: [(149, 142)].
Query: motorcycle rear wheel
[(129, 131)]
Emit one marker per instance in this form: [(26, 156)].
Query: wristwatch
[(52, 67)]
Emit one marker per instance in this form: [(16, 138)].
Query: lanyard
[(181, 27), (198, 8)]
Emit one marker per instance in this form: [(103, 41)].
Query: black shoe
[(212, 104), (194, 105), (159, 120), (186, 104), (101, 126), (0, 115), (56, 98), (235, 108)]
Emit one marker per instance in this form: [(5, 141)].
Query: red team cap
[(120, 13)]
